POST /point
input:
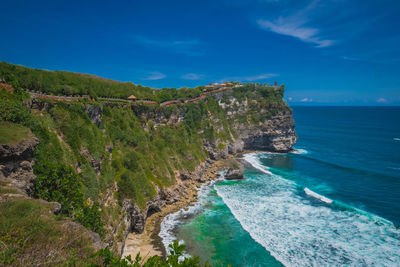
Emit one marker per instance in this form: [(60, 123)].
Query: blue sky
[(332, 52)]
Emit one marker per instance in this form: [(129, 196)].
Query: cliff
[(113, 164), (30, 233), (248, 125)]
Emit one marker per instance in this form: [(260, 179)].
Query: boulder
[(235, 173)]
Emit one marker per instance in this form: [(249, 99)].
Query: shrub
[(107, 258)]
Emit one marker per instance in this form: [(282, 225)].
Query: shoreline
[(149, 243)]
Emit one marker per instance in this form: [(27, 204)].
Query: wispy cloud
[(381, 100), (192, 76), (155, 75), (262, 76), (187, 47), (306, 100), (297, 29), (296, 25)]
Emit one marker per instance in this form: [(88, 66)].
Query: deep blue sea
[(334, 201)]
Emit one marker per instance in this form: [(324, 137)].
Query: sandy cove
[(149, 243)]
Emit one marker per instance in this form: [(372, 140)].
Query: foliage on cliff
[(132, 151), (71, 83)]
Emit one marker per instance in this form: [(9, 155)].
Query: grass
[(11, 133), (31, 235), (7, 190)]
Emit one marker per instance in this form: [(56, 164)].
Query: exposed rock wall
[(16, 163), (135, 218)]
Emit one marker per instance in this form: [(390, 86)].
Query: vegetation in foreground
[(175, 259), (30, 235)]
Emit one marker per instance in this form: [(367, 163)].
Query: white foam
[(396, 139), (253, 159), (318, 196), (299, 151), (299, 233), (172, 220)]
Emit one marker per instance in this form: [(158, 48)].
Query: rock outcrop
[(235, 173), (95, 113), (16, 163)]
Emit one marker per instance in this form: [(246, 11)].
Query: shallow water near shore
[(334, 201)]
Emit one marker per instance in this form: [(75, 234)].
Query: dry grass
[(31, 235), (11, 133)]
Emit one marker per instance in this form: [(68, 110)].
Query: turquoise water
[(336, 201)]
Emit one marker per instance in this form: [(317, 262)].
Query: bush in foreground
[(175, 259)]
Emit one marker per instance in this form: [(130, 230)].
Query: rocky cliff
[(133, 159), (270, 131)]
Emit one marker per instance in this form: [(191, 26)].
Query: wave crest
[(318, 196)]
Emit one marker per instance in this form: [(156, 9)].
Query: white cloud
[(381, 100), (187, 47), (262, 76), (155, 75), (290, 98), (295, 25), (306, 100), (192, 76), (259, 77)]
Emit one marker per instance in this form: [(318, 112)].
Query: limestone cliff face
[(273, 132)]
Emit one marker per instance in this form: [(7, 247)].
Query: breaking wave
[(172, 220), (298, 231), (299, 151), (317, 196)]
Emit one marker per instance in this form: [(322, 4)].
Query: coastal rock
[(235, 173), (134, 219)]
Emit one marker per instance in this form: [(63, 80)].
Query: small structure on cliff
[(132, 97)]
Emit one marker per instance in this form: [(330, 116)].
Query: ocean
[(334, 201)]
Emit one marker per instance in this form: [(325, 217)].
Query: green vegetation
[(108, 259), (31, 235), (11, 133), (74, 84), (69, 83), (130, 154)]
